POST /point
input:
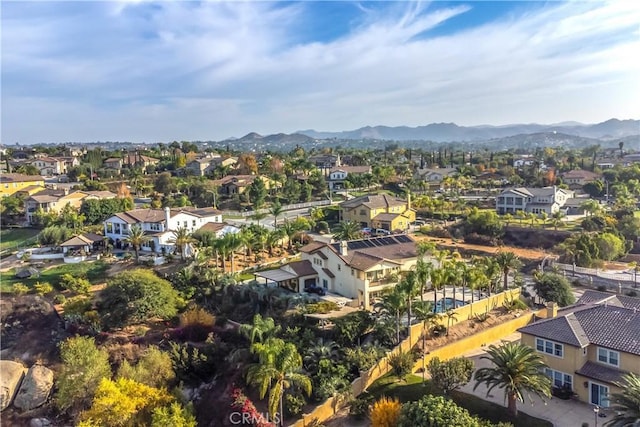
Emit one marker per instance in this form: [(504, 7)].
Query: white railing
[(623, 276), (285, 208)]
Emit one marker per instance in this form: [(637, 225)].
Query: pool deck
[(477, 295)]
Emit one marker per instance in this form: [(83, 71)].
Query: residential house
[(158, 224), (378, 211), (325, 161), (434, 177), (237, 184), (219, 229), (590, 345), (532, 200), (130, 160), (575, 179), (84, 243), (295, 276), (338, 175), (13, 182), (359, 269), (206, 165), (49, 166), (54, 200)]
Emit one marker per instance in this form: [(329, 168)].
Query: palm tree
[(277, 370), (627, 403), (392, 304), (247, 238), (507, 261), (181, 238), (438, 281), (136, 238), (423, 311), (259, 330), (556, 219), (321, 351), (423, 274), (517, 369), (347, 230), (273, 239), (451, 316), (276, 211), (410, 287), (492, 271)]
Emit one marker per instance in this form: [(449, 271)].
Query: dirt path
[(533, 254)]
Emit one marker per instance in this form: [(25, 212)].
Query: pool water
[(449, 303)]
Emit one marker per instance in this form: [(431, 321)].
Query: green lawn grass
[(14, 237), (413, 389), (93, 271)]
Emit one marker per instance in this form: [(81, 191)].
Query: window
[(325, 284), (363, 212), (609, 357), (109, 227), (339, 267), (185, 224), (194, 223), (352, 272), (559, 379), (549, 347)]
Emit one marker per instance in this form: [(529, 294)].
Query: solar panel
[(403, 239)]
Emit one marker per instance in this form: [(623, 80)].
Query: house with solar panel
[(359, 270), (588, 346)]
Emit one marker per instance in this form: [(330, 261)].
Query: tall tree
[(279, 368), (181, 239), (507, 261), (347, 230), (626, 404), (517, 369), (276, 211), (136, 238), (392, 304), (259, 330)]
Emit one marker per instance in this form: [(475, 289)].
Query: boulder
[(35, 388), (11, 374), (39, 422)]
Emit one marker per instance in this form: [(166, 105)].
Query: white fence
[(284, 208), (623, 276)]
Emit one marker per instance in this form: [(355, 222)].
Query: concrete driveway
[(562, 413)]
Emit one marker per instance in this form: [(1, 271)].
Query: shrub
[(77, 306), (136, 296), (196, 323), (401, 364), (554, 287), (451, 374), (75, 284), (385, 412), (20, 289), (514, 304), (631, 294), (42, 288), (155, 369), (293, 404), (321, 307), (189, 364), (83, 366), (435, 411), (173, 415), (602, 288), (439, 330), (322, 227), (359, 407), (59, 299)]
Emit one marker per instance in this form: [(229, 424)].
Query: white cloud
[(209, 70)]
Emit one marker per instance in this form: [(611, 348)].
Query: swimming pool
[(448, 304)]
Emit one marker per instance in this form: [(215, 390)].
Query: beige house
[(53, 201), (361, 269), (378, 211), (237, 184), (575, 179), (590, 345)]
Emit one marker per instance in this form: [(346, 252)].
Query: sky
[(158, 71)]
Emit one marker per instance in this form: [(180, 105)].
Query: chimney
[(552, 310), (167, 215), (343, 248)]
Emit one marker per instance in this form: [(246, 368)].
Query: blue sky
[(148, 71)]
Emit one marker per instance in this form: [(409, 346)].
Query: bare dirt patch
[(532, 254)]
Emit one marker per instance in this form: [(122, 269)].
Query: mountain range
[(450, 132)]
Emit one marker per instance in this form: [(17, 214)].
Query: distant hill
[(450, 132), (278, 138)]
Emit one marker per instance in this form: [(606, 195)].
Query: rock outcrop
[(11, 374), (35, 388)]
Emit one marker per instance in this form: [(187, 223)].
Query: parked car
[(382, 232), (315, 290), (366, 231), (419, 223)]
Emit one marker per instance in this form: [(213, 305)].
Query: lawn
[(94, 271), (14, 237), (413, 389)]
